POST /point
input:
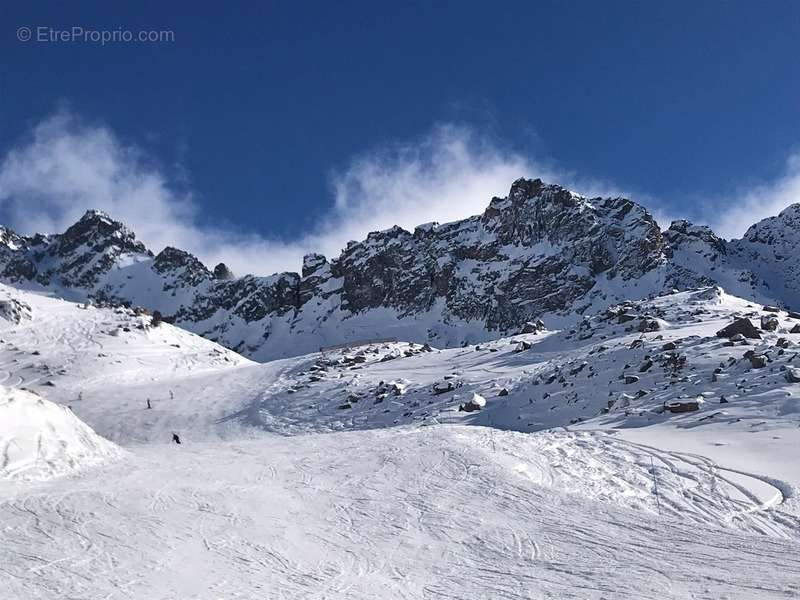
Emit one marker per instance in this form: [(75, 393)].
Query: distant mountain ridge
[(540, 252)]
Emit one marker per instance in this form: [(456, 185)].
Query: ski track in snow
[(429, 512)]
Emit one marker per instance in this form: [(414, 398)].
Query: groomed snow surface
[(348, 476)]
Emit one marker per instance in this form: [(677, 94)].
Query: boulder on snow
[(758, 361), (683, 405), (532, 327), (742, 326), (795, 329), (772, 309), (792, 375), (669, 346), (442, 387), (477, 402), (769, 323), (646, 325), (793, 315), (522, 346), (625, 317), (503, 392), (631, 379)]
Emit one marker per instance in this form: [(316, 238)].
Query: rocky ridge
[(540, 252)]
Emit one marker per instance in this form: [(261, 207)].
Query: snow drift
[(40, 439)]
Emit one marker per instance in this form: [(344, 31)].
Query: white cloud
[(67, 166), (731, 216)]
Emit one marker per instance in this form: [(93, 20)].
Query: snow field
[(431, 512), (355, 475)]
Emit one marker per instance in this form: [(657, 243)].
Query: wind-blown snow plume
[(66, 166), (758, 202)]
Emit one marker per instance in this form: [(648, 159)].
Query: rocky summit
[(542, 252)]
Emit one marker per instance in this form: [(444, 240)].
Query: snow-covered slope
[(403, 513), (354, 473), (40, 439), (84, 357), (541, 252)]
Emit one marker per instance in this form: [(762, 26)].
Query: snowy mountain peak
[(543, 251), (776, 230), (94, 214), (96, 229), (791, 212)]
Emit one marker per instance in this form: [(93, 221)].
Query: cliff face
[(540, 252)]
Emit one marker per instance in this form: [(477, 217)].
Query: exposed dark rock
[(532, 327), (477, 402), (769, 323), (681, 406), (14, 311), (742, 326), (222, 272), (443, 387), (646, 325)]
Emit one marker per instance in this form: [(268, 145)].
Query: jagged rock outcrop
[(223, 273), (542, 252)]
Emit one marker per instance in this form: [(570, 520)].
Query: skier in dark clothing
[(175, 438), (148, 403)]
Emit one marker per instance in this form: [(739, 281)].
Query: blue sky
[(271, 124)]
